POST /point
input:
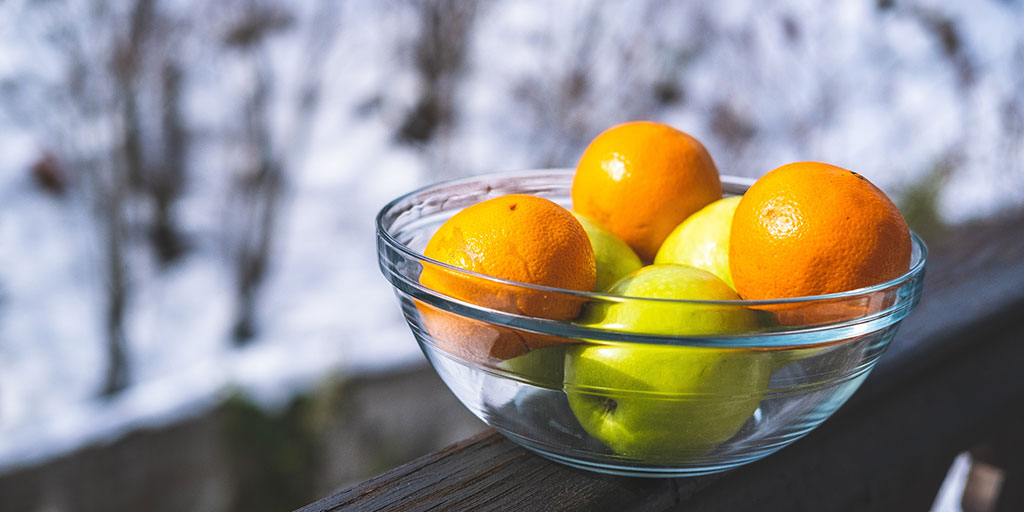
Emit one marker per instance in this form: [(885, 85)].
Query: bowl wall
[(635, 403)]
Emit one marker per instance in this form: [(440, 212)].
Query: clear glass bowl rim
[(803, 336), (916, 266)]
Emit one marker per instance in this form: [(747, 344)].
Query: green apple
[(541, 367), (614, 257), (663, 403), (702, 240), (666, 402), (671, 281)]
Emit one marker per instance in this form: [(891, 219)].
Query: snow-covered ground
[(847, 82)]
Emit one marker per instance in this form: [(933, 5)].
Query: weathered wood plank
[(483, 472), (946, 382)]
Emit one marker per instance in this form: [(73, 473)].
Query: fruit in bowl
[(702, 240), (613, 257), (810, 229), (653, 402), (680, 282), (671, 369), (659, 403), (518, 238), (641, 179)]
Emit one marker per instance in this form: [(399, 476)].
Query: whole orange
[(521, 238), (641, 179), (810, 228)]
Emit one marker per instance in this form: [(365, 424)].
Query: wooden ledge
[(949, 380)]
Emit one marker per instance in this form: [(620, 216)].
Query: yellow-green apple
[(540, 367), (666, 402), (613, 256), (702, 240)]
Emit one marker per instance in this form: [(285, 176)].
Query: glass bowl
[(658, 403)]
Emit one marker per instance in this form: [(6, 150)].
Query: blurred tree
[(168, 178), (261, 183), (114, 68), (269, 149), (439, 57), (115, 115)]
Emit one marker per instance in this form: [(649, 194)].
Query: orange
[(641, 179), (520, 238), (810, 228)]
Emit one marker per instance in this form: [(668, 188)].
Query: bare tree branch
[(169, 176), (116, 376), (440, 57), (260, 189)]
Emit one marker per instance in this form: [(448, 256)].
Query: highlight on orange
[(641, 179), (515, 237)]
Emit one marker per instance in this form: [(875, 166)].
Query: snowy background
[(191, 186)]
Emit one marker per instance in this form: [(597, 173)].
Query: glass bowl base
[(640, 470)]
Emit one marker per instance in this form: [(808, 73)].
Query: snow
[(870, 90)]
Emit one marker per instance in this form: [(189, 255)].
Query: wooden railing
[(951, 380)]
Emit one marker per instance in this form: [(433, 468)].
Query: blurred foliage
[(919, 201), (333, 436), (272, 453)]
